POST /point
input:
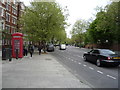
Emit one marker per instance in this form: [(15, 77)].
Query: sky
[(78, 9)]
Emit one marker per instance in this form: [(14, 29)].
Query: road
[(96, 77)]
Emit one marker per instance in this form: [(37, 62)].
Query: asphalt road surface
[(96, 77)]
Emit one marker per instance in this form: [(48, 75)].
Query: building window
[(2, 26), (14, 11), (2, 1), (13, 30), (14, 21), (7, 17), (9, 1), (7, 6), (1, 11), (7, 28)]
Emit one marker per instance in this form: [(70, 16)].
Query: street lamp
[(106, 41)]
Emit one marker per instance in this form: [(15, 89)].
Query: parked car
[(102, 56), (50, 47), (62, 47)]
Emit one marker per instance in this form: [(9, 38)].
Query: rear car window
[(95, 52), (107, 52)]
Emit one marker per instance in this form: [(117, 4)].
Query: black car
[(50, 47), (102, 56)]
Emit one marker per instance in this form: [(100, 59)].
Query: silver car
[(50, 47)]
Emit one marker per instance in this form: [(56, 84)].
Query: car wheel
[(84, 57), (116, 65), (98, 63)]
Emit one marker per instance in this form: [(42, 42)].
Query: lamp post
[(106, 41)]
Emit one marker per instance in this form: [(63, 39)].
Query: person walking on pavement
[(39, 48), (25, 50), (30, 48)]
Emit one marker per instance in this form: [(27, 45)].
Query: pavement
[(40, 71)]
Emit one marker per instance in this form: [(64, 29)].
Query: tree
[(78, 30), (44, 21), (104, 29), (113, 13)]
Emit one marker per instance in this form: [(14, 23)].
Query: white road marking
[(91, 68), (79, 63), (100, 72), (111, 77), (84, 65)]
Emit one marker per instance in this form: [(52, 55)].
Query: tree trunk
[(44, 46)]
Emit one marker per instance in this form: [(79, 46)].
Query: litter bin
[(10, 54), (6, 54)]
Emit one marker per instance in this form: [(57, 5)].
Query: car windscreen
[(107, 52), (51, 45)]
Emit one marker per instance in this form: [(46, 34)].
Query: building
[(21, 8), (10, 12)]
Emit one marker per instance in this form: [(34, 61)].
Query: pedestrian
[(25, 50), (33, 48), (30, 48), (39, 48)]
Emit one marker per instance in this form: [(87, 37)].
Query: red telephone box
[(17, 45)]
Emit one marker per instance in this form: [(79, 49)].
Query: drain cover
[(48, 59)]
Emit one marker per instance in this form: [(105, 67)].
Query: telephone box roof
[(17, 34)]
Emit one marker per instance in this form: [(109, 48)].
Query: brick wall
[(115, 47)]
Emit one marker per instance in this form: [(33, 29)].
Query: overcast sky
[(78, 9)]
